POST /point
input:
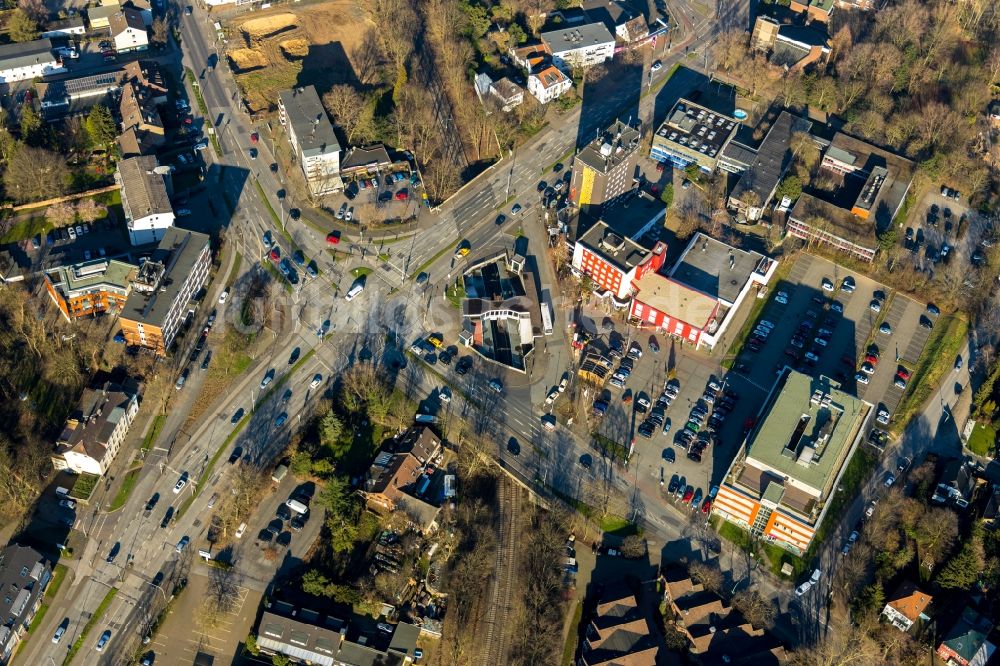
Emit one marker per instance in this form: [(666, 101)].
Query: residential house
[(621, 632), (128, 30), (907, 605), (815, 10), (579, 46), (163, 289), (94, 432), (604, 170), (91, 288), (311, 638), (147, 75), (24, 575), (144, 7), (100, 17), (402, 478), (145, 200), (758, 183), (965, 643), (508, 93), (693, 134), (21, 61), (717, 634), (548, 83), (991, 514), (138, 110), (70, 96), (619, 17), (312, 138), (529, 56), (696, 300), (366, 161), (957, 484), (70, 27)]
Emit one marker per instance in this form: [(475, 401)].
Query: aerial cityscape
[(489, 332)]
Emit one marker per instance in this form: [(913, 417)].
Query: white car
[(812, 357), (445, 394), (72, 233), (563, 383), (883, 417), (827, 284), (266, 380), (317, 380), (67, 503), (179, 486), (889, 480), (803, 588), (223, 296), (871, 508), (349, 215), (861, 378), (875, 306), (551, 397)]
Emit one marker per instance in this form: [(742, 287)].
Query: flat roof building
[(780, 483), (614, 262), (696, 299), (693, 134), (332, 643), (579, 46), (604, 169), (312, 138), (165, 284), (90, 288)]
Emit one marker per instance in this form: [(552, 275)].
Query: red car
[(707, 506), (188, 121), (275, 253), (903, 373), (333, 237), (688, 494), (871, 358), (254, 137), (402, 195)]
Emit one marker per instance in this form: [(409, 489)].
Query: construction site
[(277, 49)]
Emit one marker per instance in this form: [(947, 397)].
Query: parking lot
[(382, 197), (823, 328)]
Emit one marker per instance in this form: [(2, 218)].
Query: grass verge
[(196, 89), (569, 647), (26, 228), (736, 347), (235, 271), (276, 274), (59, 572), (128, 484), (858, 469), (91, 623), (579, 506), (935, 362), (360, 271), (427, 264), (618, 526), (154, 431), (205, 475), (982, 439), (456, 293), (84, 486)]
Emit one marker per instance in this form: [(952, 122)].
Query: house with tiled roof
[(966, 644), (548, 83), (94, 432), (619, 633), (404, 477), (907, 605)]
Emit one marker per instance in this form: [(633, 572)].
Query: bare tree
[(708, 575), (758, 611)]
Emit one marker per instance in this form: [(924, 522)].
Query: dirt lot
[(311, 45)]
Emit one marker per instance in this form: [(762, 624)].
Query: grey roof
[(361, 157), (706, 266), (774, 157), (143, 191), (24, 574), (577, 37), (308, 119), (103, 11), (64, 24), (610, 147), (89, 428), (739, 154), (298, 639), (26, 54), (178, 252)]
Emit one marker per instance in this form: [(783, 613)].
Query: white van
[(297, 506), (240, 530), (355, 290), (62, 492)]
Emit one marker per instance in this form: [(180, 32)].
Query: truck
[(297, 506)]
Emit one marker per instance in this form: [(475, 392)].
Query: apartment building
[(604, 170), (312, 138), (693, 134), (579, 46), (24, 575), (163, 288), (145, 200), (548, 84), (128, 30), (90, 288), (28, 60)]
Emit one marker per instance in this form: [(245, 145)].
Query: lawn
[(860, 467), (154, 431), (235, 272), (84, 486), (982, 439), (569, 649), (361, 271), (91, 623), (580, 506), (26, 228), (936, 361), (618, 526), (456, 293), (127, 485), (735, 535), (58, 576)]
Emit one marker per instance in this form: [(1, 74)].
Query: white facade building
[(129, 31), (549, 84), (311, 135), (580, 46), (93, 434), (148, 213), (28, 60)]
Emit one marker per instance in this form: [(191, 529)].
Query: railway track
[(498, 614)]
